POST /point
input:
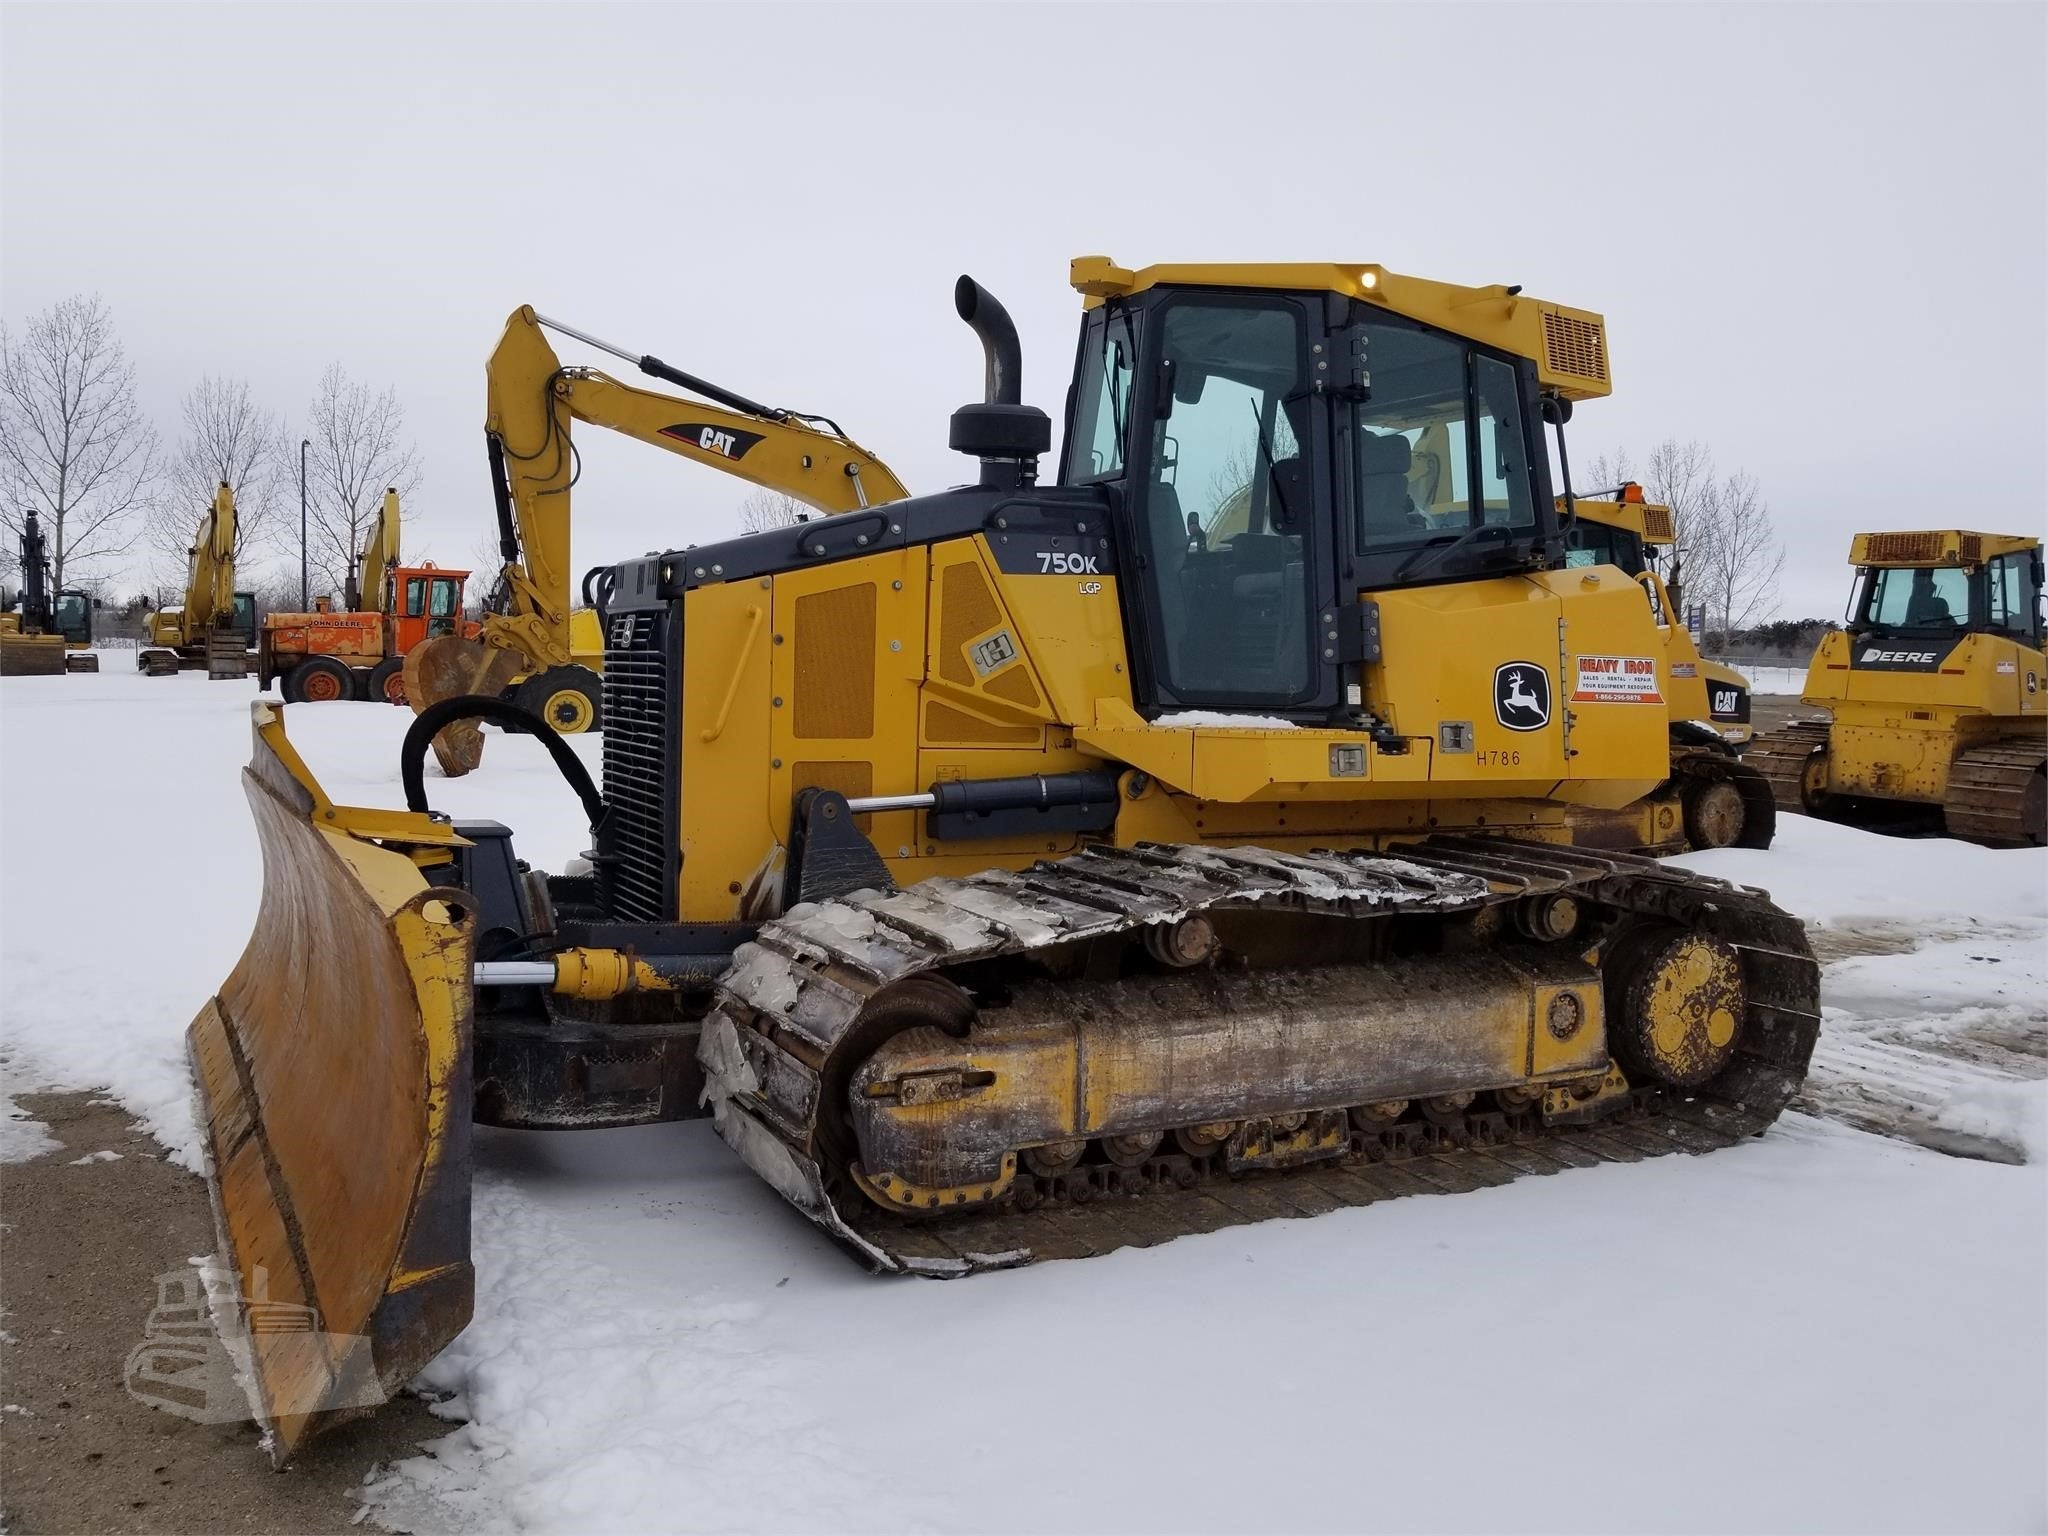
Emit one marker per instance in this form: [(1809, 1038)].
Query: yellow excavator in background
[(1022, 872), (533, 402), (215, 627), (44, 633), (1713, 799), (1934, 693)]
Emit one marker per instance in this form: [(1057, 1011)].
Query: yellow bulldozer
[(1936, 714), (215, 626), (1031, 870), (1712, 799)]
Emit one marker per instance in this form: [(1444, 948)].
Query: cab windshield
[(1441, 448), (70, 612), (1933, 598)]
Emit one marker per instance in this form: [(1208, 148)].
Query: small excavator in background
[(359, 651), (215, 627), (532, 649), (1936, 693), (45, 633), (1712, 799), (1021, 872)]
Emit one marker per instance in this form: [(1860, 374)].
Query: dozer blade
[(333, 1076), (447, 667)]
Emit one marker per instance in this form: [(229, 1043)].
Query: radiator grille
[(835, 664), (637, 873), (1575, 346)]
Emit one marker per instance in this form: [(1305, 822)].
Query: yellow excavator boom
[(533, 402), (380, 554)]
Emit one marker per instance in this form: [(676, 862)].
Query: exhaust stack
[(1005, 434)]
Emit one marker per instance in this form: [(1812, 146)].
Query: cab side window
[(415, 596), (2009, 596), (1102, 402)]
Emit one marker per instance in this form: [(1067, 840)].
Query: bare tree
[(359, 449), (228, 439), (73, 441), (1607, 472), (1737, 553), (763, 510)]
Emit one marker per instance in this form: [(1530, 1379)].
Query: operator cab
[(433, 601), (73, 617), (1949, 596), (1273, 455)]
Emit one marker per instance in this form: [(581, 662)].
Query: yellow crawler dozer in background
[(1713, 799), (1027, 871), (1934, 693)]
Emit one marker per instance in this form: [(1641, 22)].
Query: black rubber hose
[(412, 757), (598, 582)]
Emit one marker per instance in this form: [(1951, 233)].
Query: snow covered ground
[(1789, 680), (1823, 1329)]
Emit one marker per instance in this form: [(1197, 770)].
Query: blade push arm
[(533, 404)]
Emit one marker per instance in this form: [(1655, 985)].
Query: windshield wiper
[(1435, 549)]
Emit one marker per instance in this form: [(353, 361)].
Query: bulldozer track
[(1995, 794), (797, 991), (1781, 756)]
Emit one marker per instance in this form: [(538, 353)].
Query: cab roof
[(1568, 346), (1941, 546)]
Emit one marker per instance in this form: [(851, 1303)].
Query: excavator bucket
[(334, 1090), (447, 667)]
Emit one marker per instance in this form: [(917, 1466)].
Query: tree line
[(77, 446)]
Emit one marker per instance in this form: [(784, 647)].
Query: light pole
[(305, 595)]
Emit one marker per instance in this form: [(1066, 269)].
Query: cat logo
[(1521, 696), (726, 442), (1724, 701)]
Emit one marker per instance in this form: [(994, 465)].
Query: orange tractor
[(359, 652)]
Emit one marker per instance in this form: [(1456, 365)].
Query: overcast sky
[(1817, 231)]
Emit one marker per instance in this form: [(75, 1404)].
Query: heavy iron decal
[(1617, 680), (726, 442), (1521, 696)]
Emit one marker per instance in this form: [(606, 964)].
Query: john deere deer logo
[(1521, 696)]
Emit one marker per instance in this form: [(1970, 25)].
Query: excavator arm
[(380, 554), (534, 402)]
